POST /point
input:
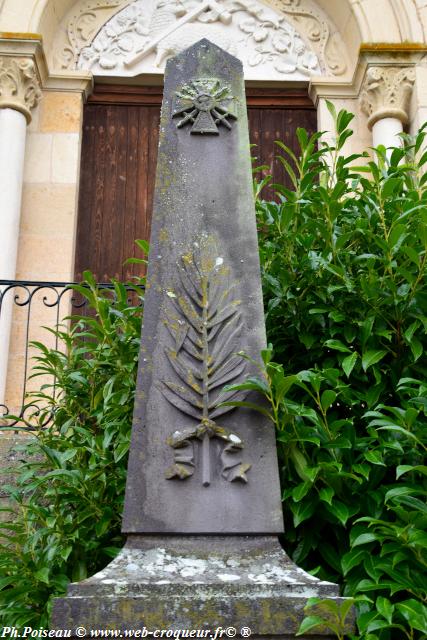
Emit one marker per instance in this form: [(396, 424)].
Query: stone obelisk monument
[(203, 509)]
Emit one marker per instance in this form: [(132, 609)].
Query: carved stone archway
[(355, 21), (398, 21), (276, 40)]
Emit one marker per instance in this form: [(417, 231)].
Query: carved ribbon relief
[(205, 323)]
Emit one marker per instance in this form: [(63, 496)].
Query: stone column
[(19, 93), (385, 100)]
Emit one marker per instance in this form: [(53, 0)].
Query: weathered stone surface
[(193, 470), (196, 583)]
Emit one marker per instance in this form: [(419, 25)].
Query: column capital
[(386, 92), (19, 84)]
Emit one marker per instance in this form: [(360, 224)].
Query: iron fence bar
[(24, 294), (49, 283)]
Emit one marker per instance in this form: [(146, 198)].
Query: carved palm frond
[(205, 323)]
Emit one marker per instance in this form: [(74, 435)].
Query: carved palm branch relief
[(205, 323)]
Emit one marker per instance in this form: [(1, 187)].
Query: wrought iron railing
[(26, 298)]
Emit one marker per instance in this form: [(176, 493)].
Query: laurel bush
[(64, 519), (343, 257)]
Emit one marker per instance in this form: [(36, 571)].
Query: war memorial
[(203, 505)]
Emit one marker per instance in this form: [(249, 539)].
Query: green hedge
[(343, 258), (66, 503)]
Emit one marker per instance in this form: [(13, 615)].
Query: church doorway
[(118, 162)]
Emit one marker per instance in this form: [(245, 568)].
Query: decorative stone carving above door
[(291, 40), (79, 27)]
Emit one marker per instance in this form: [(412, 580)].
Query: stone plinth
[(191, 582)]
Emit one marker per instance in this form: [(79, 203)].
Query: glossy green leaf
[(302, 511), (364, 538), (415, 613), (371, 357), (42, 575), (326, 494), (339, 510), (337, 345), (385, 608), (352, 559), (407, 468), (309, 623), (327, 398), (416, 348), (348, 363), (375, 457), (301, 490)]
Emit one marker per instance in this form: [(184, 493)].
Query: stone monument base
[(196, 582)]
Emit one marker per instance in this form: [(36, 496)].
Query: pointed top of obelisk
[(206, 55)]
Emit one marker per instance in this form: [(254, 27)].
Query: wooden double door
[(118, 163)]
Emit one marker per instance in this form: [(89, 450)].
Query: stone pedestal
[(192, 582)]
